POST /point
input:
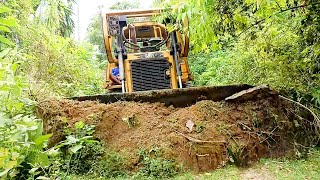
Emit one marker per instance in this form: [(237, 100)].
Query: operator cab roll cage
[(152, 33)]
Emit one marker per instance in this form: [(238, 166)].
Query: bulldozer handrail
[(135, 12)]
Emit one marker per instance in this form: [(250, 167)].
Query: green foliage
[(95, 37), (79, 150), (52, 65), (11, 83), (23, 151), (81, 154), (21, 147), (226, 19), (22, 142), (299, 169), (126, 4), (57, 14), (57, 66), (95, 33), (20, 134), (153, 165), (255, 42), (110, 165), (274, 56), (274, 168), (6, 22)]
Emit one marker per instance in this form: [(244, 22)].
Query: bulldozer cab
[(142, 54), (144, 36)]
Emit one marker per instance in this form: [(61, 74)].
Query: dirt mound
[(202, 137)]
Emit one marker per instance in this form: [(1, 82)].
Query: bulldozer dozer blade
[(176, 97)]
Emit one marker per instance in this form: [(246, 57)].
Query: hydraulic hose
[(176, 57), (120, 59)]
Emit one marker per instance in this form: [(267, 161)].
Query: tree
[(274, 42), (95, 37), (95, 34), (57, 14), (123, 5)]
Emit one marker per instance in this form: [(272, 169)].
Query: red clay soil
[(222, 132)]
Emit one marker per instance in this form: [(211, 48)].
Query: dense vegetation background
[(273, 42), (38, 59), (276, 42)]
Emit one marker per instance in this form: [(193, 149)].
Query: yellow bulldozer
[(149, 63), (146, 56)]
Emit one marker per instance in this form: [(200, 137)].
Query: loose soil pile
[(202, 137)]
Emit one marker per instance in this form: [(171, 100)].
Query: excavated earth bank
[(202, 137)]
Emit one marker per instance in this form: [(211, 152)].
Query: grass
[(230, 173), (308, 168), (296, 169)]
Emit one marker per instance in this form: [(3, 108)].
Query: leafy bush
[(21, 148), (81, 154), (110, 165), (58, 66), (79, 150), (153, 165), (255, 42), (36, 63), (22, 142), (53, 65), (21, 145), (272, 57)]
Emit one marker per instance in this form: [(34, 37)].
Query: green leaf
[(76, 148), (53, 152), (71, 140), (4, 29), (4, 172), (33, 170), (90, 141), (10, 21), (43, 178), (41, 139), (4, 9), (38, 158), (27, 126), (79, 125), (3, 120), (4, 52), (86, 137), (5, 40), (14, 67)]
